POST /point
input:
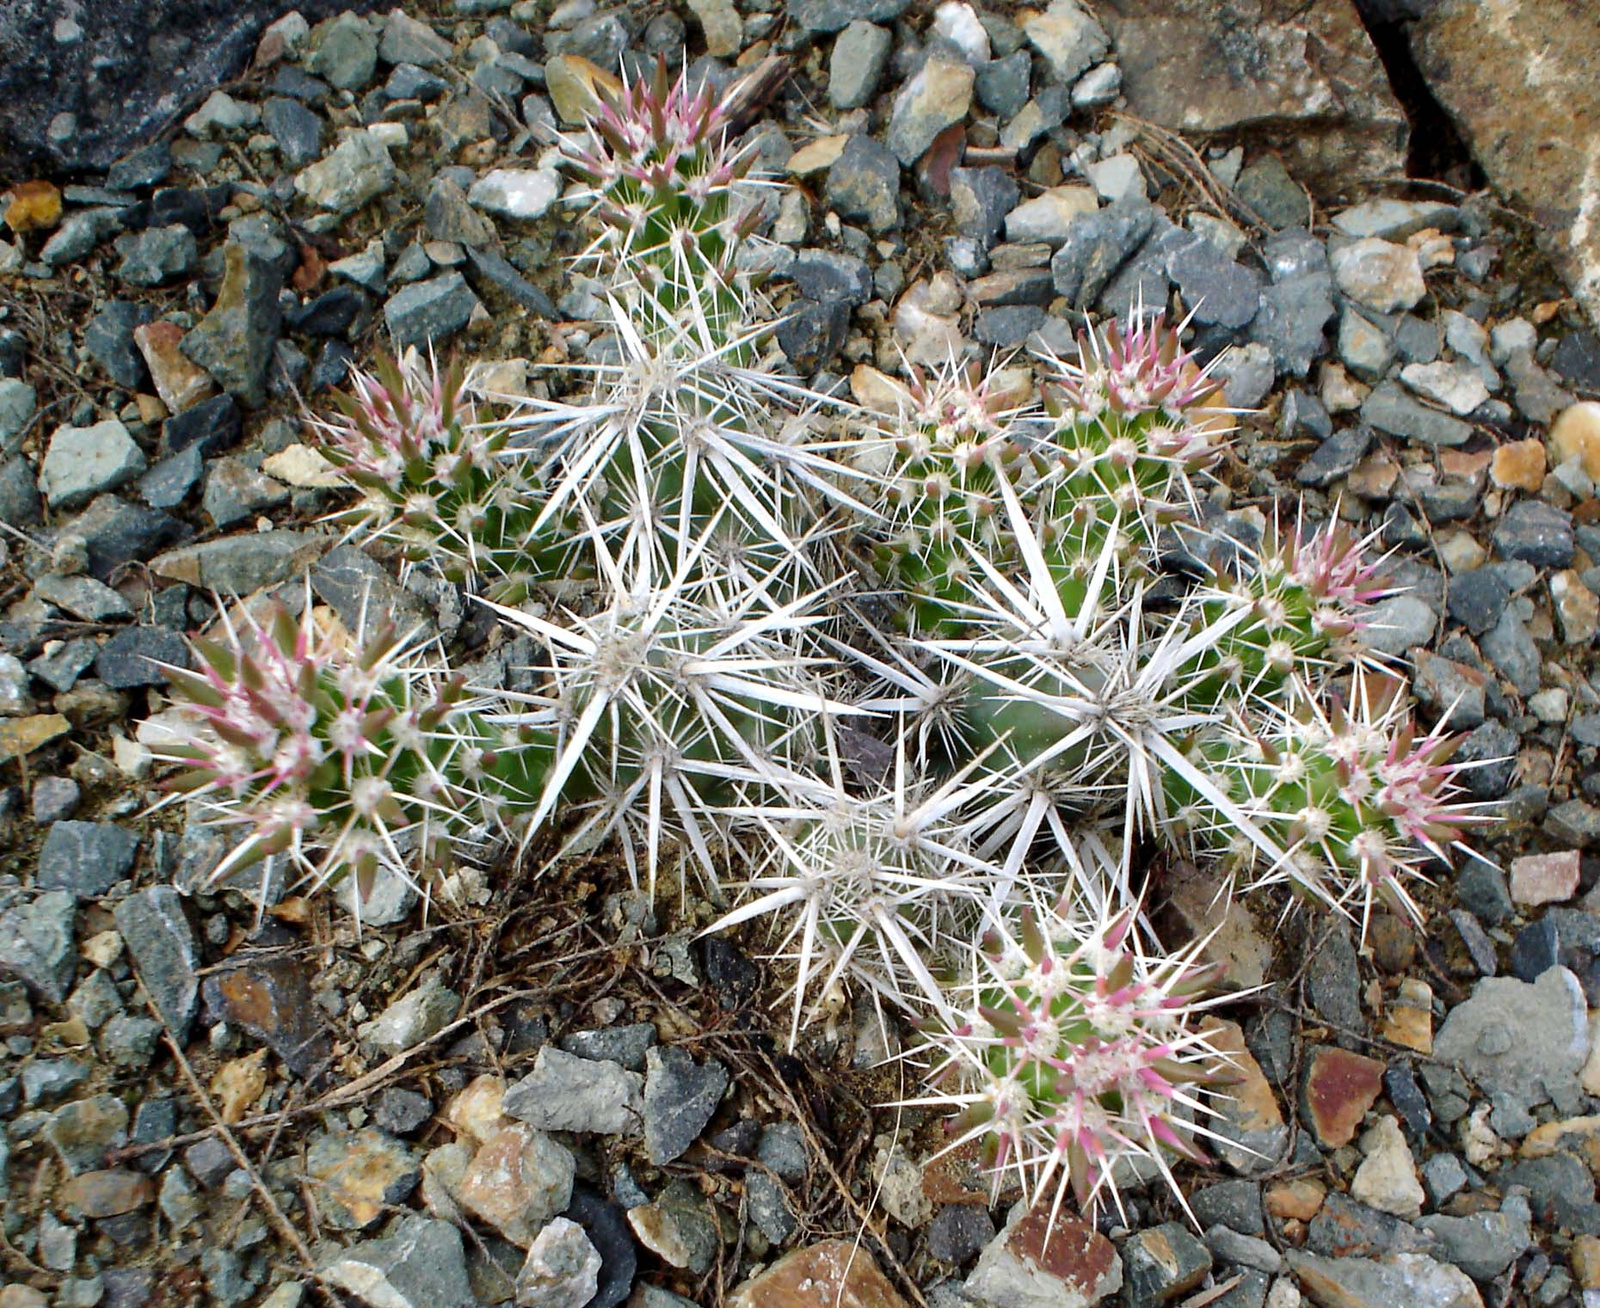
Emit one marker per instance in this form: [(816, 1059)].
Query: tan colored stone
[(816, 156), (1374, 477), (575, 84), (1585, 1260), (476, 1112), (35, 207), (1577, 607), (180, 382), (1519, 465), (1576, 435), (1233, 940), (1250, 1105), (517, 1182), (1299, 1199), (21, 736), (106, 1194), (720, 22), (1572, 1135), (17, 1295), (837, 1273), (1409, 1020), (301, 465)]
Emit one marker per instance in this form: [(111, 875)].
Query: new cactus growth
[(721, 571), (1070, 1054), (345, 752)]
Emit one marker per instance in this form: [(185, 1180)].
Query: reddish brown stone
[(1339, 1088), (105, 1194), (1068, 1248), (837, 1273), (271, 999)]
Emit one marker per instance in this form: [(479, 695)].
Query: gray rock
[(1069, 38), (295, 128), (1291, 319), (1247, 373), (1574, 822), (1162, 1263), (1560, 1191), (212, 426), (568, 1093), (36, 944), (234, 341), (87, 858), (162, 943), (1096, 246), (1454, 691), (958, 1232), (408, 40), (1336, 457), (1537, 533), (768, 1206), (826, 276), (1513, 652), (980, 199), (783, 1151), (1364, 347), (54, 799), (235, 491), (83, 597), (1528, 1042), (1333, 979), (562, 1269), (1390, 409), (133, 656), (1229, 1246), (832, 15), (1443, 1177), (156, 255), (1218, 291), (1486, 1243), (421, 1264), (1003, 84), (78, 234), (344, 52), (1400, 623), (18, 403), (813, 333), (522, 194), (860, 54), (624, 1045), (83, 461), (1098, 87), (431, 311), (45, 1080), (679, 1098), (1266, 186), (1538, 397), (355, 172), (1493, 748), (1477, 599), (863, 185), (1412, 1279), (109, 340), (413, 1018)]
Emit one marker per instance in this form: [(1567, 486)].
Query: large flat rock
[(1302, 78), (121, 68), (1518, 77)]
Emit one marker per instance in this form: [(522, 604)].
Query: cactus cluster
[(917, 685)]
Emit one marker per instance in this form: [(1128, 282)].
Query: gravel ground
[(563, 1096)]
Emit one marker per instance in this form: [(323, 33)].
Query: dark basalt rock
[(132, 66)]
